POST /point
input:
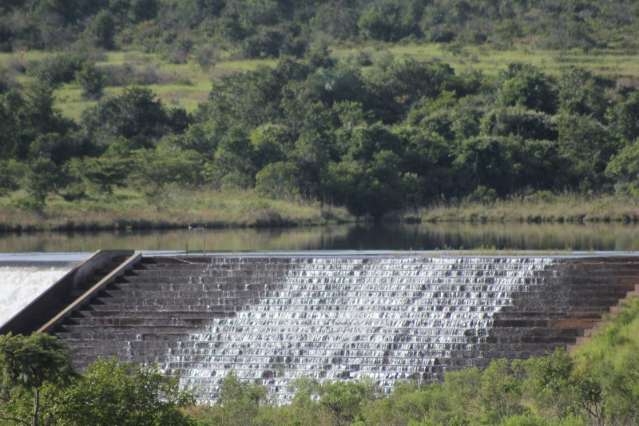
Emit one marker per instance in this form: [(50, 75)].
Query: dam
[(274, 317)]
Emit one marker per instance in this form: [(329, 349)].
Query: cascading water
[(19, 285), (383, 316), (328, 318)]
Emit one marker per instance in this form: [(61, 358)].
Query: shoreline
[(246, 210)]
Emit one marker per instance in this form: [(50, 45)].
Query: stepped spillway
[(388, 317)]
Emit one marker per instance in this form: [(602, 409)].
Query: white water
[(19, 285), (334, 318)]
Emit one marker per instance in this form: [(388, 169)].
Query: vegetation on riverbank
[(377, 106), (537, 208), (172, 209)]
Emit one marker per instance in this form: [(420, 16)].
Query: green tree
[(110, 392), (581, 92), (8, 176), (487, 162), (42, 178), (374, 187), (142, 10), (527, 86), (238, 403), (91, 79), (154, 169), (625, 116), (344, 400), (278, 180), (519, 121), (29, 363), (103, 30), (387, 20), (232, 165), (136, 115), (624, 169), (270, 142), (587, 145)]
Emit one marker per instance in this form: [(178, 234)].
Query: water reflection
[(349, 237)]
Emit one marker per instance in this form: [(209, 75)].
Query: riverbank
[(182, 209), (179, 209), (546, 208)]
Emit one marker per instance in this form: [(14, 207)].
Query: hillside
[(376, 124), (258, 28)]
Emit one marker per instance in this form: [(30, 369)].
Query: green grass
[(194, 82), (489, 60), (539, 209), (176, 208)]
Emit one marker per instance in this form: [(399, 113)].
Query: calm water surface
[(350, 237)]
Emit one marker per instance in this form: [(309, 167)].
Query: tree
[(519, 121), (142, 10), (42, 178), (373, 187), (232, 165), (588, 145), (387, 21), (581, 92), (527, 86), (104, 30), (91, 80), (114, 393), (344, 399), (625, 116), (487, 162), (238, 403), (270, 142), (136, 115), (624, 169), (29, 363), (278, 180), (8, 178), (154, 169)]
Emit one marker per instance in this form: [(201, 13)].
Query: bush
[(206, 56), (58, 69), (278, 180), (110, 392), (91, 80)]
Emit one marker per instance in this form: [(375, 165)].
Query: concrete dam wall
[(388, 317)]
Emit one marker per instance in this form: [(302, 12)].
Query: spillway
[(20, 284), (387, 317)]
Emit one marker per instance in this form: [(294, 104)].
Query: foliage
[(27, 364), (38, 367), (274, 27), (91, 80), (109, 392)]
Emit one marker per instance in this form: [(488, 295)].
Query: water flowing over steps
[(389, 317)]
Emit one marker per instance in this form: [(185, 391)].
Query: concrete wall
[(61, 293)]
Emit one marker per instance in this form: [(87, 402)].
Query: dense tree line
[(255, 28), (377, 135)]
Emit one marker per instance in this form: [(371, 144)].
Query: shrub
[(91, 79), (278, 180), (58, 69)]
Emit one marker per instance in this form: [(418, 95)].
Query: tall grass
[(188, 95), (572, 208), (177, 208)]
